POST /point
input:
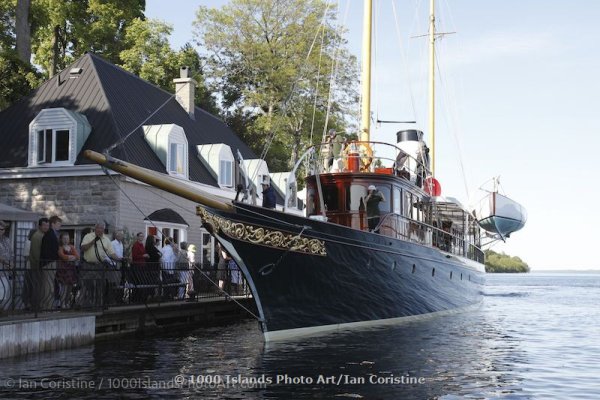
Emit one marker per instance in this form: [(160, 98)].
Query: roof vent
[(75, 71)]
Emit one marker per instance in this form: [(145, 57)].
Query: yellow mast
[(365, 122), (432, 85)]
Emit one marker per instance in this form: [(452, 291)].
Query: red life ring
[(432, 187)]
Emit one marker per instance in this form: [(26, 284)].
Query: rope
[(285, 253), (333, 79), (203, 273), (403, 52), (227, 294), (453, 128)]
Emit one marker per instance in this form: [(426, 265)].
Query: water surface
[(535, 336)]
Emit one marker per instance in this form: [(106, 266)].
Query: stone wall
[(77, 200), (82, 201), (34, 336)]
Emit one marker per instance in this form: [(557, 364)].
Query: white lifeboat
[(499, 214)]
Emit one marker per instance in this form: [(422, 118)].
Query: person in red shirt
[(138, 268)]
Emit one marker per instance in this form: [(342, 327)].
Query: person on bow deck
[(268, 193)]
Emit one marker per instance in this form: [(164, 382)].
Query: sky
[(518, 96)]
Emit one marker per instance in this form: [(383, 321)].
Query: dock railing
[(64, 287)]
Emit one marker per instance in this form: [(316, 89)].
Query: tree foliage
[(7, 24), (63, 30), (16, 78), (117, 30), (149, 55), (265, 59), (501, 262)]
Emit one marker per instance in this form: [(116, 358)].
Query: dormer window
[(56, 136), (219, 160), (226, 173), (177, 159), (53, 145), (171, 146)]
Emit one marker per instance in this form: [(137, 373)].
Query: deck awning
[(8, 213)]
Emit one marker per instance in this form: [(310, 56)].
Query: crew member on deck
[(268, 194), (374, 197)]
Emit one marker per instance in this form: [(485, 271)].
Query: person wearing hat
[(268, 193), (374, 197)]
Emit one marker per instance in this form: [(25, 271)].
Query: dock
[(27, 334)]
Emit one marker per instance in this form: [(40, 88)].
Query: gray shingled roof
[(114, 102)]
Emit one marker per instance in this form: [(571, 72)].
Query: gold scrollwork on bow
[(263, 236)]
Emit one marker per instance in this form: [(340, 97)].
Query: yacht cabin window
[(397, 199)]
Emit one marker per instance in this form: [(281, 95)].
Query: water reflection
[(513, 346)]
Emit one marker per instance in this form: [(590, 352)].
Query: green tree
[(16, 78), (265, 57), (63, 30), (501, 262), (7, 24), (149, 55)]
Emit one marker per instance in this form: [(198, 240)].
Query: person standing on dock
[(97, 250), (66, 274), (138, 269), (115, 278), (49, 262), (35, 252), (168, 264), (6, 264), (153, 263)]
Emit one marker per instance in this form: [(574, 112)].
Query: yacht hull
[(308, 276)]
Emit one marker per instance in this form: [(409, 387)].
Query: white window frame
[(43, 146), (168, 227), (177, 159), (226, 179)]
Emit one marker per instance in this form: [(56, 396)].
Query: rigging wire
[(375, 23), (312, 125), (335, 68), (123, 139), (286, 101), (452, 123), (228, 295), (404, 55)]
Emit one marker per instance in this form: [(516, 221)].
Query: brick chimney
[(185, 89)]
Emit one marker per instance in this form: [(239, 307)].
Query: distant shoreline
[(553, 271)]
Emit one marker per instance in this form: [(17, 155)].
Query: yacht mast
[(365, 122), (432, 85)]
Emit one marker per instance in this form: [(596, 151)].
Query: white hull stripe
[(316, 330)]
